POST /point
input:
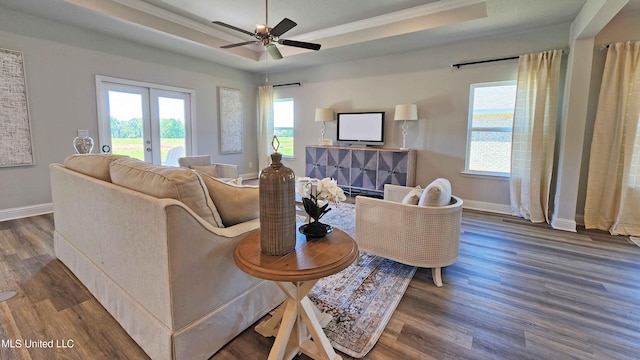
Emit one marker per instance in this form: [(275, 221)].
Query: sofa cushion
[(205, 169), (438, 193), (94, 165), (182, 184), (413, 196), (236, 203)]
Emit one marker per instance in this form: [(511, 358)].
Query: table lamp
[(403, 113), (323, 115)]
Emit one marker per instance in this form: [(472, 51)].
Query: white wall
[(62, 61), (425, 78), (60, 65)]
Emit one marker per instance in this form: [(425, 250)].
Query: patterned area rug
[(362, 297)]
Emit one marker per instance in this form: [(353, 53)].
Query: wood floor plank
[(518, 291), (9, 332)]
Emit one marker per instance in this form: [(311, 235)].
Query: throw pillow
[(205, 169), (94, 165), (413, 196), (182, 184), (236, 203), (438, 193)]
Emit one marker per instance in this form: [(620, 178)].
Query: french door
[(145, 121)]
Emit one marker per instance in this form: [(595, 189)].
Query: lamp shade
[(406, 112), (324, 114)]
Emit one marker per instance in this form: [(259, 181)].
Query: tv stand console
[(361, 170)]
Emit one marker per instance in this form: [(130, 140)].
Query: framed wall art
[(16, 147), (230, 120)]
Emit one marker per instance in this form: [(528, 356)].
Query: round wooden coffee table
[(297, 321)]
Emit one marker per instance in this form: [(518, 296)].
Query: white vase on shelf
[(83, 144)]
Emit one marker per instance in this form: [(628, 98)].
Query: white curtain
[(613, 186), (534, 134), (265, 125)]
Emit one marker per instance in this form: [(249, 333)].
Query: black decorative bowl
[(315, 230)]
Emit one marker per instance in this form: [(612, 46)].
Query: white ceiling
[(347, 30)]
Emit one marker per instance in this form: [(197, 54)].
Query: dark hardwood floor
[(518, 291)]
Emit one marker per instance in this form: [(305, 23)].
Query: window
[(491, 108), (283, 125)]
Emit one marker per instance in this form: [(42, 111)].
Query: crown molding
[(177, 19), (155, 18), (390, 18)]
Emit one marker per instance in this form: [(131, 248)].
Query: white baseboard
[(564, 224), (486, 206), (25, 211), (556, 223)]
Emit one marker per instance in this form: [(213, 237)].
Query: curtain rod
[(483, 61), (606, 46), (289, 84), (491, 60)]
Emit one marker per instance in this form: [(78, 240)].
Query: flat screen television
[(360, 128)]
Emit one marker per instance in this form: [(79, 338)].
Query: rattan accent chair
[(422, 236), (224, 170)]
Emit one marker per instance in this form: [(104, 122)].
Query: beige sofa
[(162, 268)]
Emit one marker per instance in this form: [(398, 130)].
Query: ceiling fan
[(269, 37)]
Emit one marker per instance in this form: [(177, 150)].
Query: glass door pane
[(124, 120), (172, 114), (125, 114)]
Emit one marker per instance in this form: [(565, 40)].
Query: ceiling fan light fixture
[(274, 52), (270, 36)]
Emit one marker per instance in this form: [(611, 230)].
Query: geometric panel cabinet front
[(361, 170), (364, 165), (392, 168), (339, 165), (316, 162)]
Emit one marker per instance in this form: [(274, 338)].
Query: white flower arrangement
[(317, 194)]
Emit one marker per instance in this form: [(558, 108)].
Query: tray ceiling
[(346, 29)]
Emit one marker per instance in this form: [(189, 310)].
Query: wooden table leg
[(270, 327), (295, 322), (320, 347)]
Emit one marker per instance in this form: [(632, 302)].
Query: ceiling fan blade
[(233, 27), (275, 53), (238, 44), (282, 27), (300, 44)]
